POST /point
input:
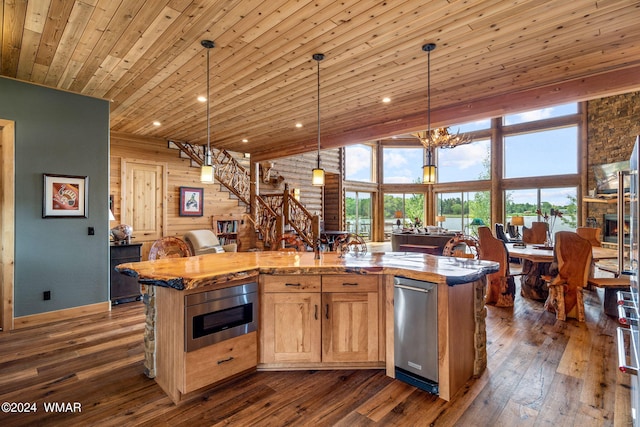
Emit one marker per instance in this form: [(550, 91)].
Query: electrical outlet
[(46, 295)]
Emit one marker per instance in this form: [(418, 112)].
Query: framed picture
[(65, 196), (191, 201)]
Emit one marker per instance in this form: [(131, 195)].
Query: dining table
[(536, 263)]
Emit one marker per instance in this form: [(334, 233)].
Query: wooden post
[(254, 190), (315, 228)]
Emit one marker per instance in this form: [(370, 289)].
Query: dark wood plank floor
[(541, 372)]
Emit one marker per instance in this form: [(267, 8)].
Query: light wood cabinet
[(180, 373), (350, 323), (290, 319), (291, 327), (320, 319), (223, 360)]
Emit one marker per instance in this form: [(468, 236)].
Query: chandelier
[(436, 138), (442, 138)]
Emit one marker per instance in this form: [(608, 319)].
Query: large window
[(359, 163), (402, 165), (527, 202), (465, 211), (358, 210), (403, 208), (542, 153), (537, 148), (541, 114), (465, 163)]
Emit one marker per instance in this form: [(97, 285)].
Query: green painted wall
[(59, 133)]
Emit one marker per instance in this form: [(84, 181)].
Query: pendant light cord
[(428, 48), (208, 153), (318, 61)]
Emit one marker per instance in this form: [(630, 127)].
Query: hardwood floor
[(540, 372)]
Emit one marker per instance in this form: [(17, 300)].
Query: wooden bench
[(425, 249), (611, 286)]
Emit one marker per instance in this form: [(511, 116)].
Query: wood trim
[(389, 325), (583, 162), (64, 314), (7, 226)]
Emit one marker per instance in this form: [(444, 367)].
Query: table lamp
[(517, 221), (440, 219), (477, 222), (398, 216)]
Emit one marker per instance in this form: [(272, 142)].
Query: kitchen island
[(328, 313)]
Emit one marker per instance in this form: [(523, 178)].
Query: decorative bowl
[(121, 233)]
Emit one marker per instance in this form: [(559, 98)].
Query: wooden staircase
[(271, 214), (228, 171)]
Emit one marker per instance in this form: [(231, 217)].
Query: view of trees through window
[(527, 202), (411, 206), (528, 141), (461, 209), (358, 213)]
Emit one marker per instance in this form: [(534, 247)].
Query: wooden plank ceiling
[(492, 57)]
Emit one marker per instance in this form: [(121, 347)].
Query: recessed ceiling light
[(386, 99), (156, 123), (298, 125), (202, 98), (245, 140)]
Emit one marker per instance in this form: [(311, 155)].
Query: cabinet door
[(350, 327), (290, 327)]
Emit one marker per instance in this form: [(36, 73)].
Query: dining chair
[(572, 255), (591, 234), (537, 234), (169, 247), (513, 232), (500, 234), (501, 287)]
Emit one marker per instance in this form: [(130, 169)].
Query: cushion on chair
[(206, 242)]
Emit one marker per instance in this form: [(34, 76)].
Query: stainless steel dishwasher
[(416, 333)]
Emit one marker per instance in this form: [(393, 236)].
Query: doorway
[(7, 222)]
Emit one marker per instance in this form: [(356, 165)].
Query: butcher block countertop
[(193, 272)]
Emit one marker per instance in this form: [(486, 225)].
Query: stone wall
[(612, 127)]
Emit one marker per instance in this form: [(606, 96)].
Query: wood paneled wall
[(296, 171), (334, 202), (218, 202)]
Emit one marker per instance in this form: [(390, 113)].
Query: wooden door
[(143, 205), (290, 327), (350, 327)]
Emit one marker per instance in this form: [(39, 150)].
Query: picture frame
[(191, 201), (65, 196)]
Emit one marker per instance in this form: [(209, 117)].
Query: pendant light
[(317, 177), (429, 169), (206, 171)]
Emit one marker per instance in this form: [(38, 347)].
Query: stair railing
[(230, 173)]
